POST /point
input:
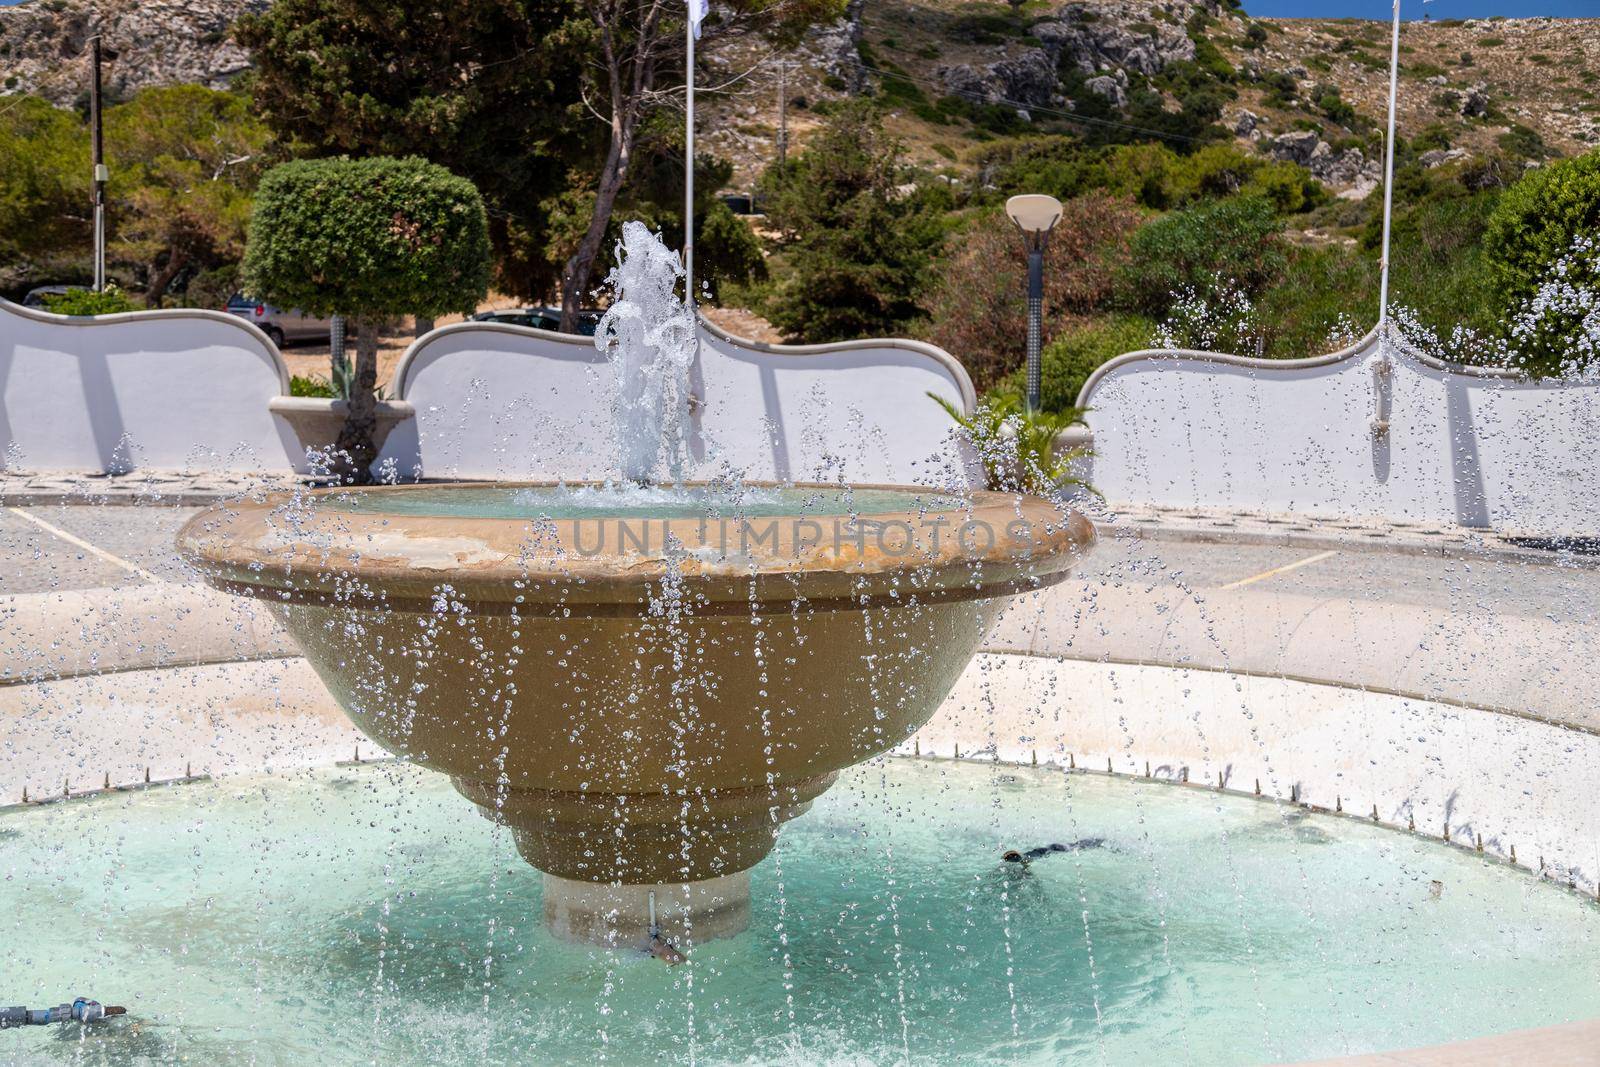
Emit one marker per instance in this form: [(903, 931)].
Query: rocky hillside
[(957, 72), (1310, 90), (157, 42)]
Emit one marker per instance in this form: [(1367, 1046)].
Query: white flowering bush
[(1218, 318)]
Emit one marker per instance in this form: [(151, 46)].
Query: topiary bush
[(1537, 221), (371, 239), (1235, 244)]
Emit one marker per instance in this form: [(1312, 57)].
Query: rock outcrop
[(1100, 38), (155, 42), (1028, 80), (1347, 169)]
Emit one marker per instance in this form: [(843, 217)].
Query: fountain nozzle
[(81, 1010)]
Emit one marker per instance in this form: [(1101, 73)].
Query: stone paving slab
[(220, 719), (32, 489), (68, 634), (1343, 534), (1530, 666)]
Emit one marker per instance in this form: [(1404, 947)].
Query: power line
[(1069, 116)]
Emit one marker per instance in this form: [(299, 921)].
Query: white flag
[(697, 14)]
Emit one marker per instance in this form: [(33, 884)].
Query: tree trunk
[(575, 280), (161, 278), (355, 451)]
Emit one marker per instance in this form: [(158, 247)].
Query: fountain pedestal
[(619, 915)]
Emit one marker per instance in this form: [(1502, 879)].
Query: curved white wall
[(1462, 445), (506, 401), (182, 390)]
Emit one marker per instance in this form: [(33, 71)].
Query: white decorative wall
[(1349, 434), (181, 390), (505, 401)]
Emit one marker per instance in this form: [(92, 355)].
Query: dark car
[(37, 297), (542, 318)]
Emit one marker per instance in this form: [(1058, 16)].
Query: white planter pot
[(316, 421)]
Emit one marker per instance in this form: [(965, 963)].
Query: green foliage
[(1067, 361), (88, 302), (1018, 448), (1152, 175), (44, 155), (190, 157), (1334, 106), (1281, 88), (859, 253), (1536, 221), (1522, 142), (1325, 299), (1235, 243), (312, 385), (368, 238), (979, 302), (488, 90)]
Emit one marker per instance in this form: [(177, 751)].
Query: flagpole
[(688, 165), (1388, 177)]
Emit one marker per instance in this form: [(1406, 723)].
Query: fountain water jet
[(581, 660)]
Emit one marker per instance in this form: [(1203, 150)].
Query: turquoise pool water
[(369, 915), (639, 502)]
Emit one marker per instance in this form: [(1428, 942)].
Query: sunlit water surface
[(370, 915), (623, 500)]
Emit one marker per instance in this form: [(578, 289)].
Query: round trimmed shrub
[(368, 238), (1537, 220)]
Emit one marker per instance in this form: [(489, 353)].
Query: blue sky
[(1379, 9), (1412, 9)]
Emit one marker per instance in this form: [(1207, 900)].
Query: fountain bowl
[(642, 685)]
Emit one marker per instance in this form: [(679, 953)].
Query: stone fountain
[(642, 682)]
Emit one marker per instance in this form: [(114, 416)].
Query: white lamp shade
[(1034, 212)]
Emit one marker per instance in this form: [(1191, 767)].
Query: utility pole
[(101, 174), (783, 111)]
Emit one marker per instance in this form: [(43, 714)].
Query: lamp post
[(1035, 215)]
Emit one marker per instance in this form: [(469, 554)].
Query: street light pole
[(1035, 215), (97, 152), (1035, 318)]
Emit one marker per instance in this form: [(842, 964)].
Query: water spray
[(81, 1010)]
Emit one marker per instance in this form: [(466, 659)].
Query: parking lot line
[(94, 550), (1280, 570)]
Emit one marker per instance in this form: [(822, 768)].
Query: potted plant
[(371, 239)]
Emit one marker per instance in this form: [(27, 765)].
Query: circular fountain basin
[(362, 914), (642, 683)]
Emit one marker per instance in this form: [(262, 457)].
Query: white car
[(281, 326)]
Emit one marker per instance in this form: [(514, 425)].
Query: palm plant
[(1018, 448)]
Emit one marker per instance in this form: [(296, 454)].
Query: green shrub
[(1068, 360), (1523, 142), (1326, 298), (312, 385), (1236, 243), (859, 254), (1537, 219), (89, 302)]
